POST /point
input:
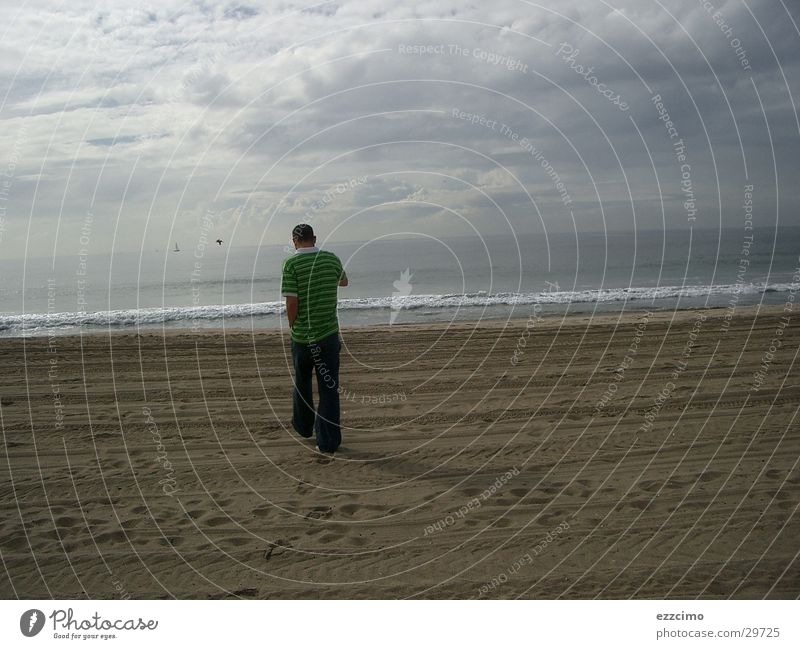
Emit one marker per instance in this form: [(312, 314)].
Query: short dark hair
[(303, 232)]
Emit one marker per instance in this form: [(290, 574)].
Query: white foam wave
[(33, 322)]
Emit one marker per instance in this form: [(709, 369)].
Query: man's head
[(303, 236)]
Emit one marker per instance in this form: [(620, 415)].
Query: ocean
[(399, 280)]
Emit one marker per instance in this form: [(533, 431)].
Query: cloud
[(175, 108)]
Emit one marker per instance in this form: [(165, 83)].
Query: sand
[(525, 459)]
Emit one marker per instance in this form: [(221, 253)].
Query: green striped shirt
[(313, 276)]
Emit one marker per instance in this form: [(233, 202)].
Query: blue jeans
[(322, 358)]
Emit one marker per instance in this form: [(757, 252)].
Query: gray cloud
[(163, 111)]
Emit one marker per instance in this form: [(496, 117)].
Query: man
[(309, 283)]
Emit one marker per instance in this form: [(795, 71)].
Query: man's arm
[(292, 305)]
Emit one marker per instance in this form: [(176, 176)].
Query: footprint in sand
[(112, 537), (237, 541), (18, 542), (276, 548), (218, 521), (650, 486), (320, 512), (65, 521), (262, 510), (350, 508), (639, 503)]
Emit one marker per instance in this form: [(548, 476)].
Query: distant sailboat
[(176, 247)]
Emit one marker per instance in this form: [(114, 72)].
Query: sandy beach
[(642, 456)]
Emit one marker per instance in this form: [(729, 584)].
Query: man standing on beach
[(310, 282)]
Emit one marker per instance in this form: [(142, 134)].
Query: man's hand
[(292, 305), (343, 281)]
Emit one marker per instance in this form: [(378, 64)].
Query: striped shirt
[(313, 275)]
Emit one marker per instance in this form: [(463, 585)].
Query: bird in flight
[(219, 242)]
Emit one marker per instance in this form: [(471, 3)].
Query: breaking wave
[(36, 322)]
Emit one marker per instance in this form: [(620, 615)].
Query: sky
[(130, 126)]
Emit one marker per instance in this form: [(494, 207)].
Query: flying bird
[(219, 242)]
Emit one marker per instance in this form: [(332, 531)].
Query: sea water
[(400, 280)]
